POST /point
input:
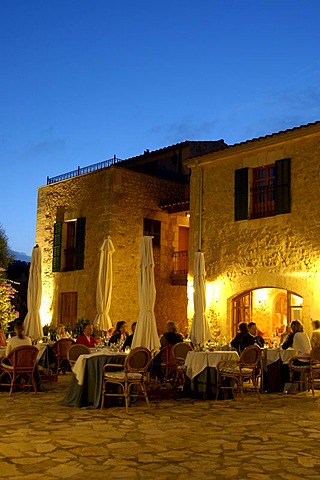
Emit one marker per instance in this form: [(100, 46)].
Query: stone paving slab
[(179, 439)]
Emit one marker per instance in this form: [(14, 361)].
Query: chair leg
[(218, 386), (102, 395), (12, 384), (126, 396), (240, 387), (255, 384), (144, 391), (311, 382)]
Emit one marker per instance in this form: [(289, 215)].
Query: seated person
[(120, 334), (300, 342), (171, 337), (243, 329), (315, 337), (298, 339), (62, 333), (251, 338), (128, 341), (20, 339), (86, 337), (285, 336)]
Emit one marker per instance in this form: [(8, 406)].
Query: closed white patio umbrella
[(104, 286), (146, 334), (200, 331), (32, 322)]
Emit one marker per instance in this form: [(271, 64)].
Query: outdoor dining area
[(105, 374)]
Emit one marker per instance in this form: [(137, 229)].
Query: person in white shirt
[(301, 342), (62, 333), (20, 339), (315, 337)]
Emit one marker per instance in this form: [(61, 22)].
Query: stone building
[(257, 222), (144, 195)]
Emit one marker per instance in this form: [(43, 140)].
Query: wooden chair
[(133, 372), (180, 351), (60, 349), (168, 364), (245, 368), (308, 369), (75, 351), (20, 364)]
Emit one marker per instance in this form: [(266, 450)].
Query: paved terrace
[(180, 439)]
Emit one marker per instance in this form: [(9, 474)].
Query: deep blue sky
[(82, 80)]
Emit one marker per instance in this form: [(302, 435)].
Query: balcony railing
[(180, 262), (83, 170), (179, 272)]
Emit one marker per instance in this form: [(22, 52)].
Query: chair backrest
[(23, 358), (180, 350), (62, 346), (76, 350), (315, 354), (250, 357), (167, 356), (138, 360)]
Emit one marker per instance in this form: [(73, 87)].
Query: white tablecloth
[(271, 355), (80, 365), (196, 362)]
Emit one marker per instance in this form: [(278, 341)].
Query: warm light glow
[(45, 309), (213, 291), (261, 296)]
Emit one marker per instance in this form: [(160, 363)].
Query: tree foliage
[(8, 312), (5, 257)]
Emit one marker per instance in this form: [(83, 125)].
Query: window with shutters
[(263, 191), (152, 228), (68, 245)]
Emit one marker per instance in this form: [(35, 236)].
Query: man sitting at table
[(243, 330), (86, 337), (171, 337), (128, 341), (251, 338)]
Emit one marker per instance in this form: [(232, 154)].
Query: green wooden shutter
[(56, 254), (282, 192), (80, 243), (241, 194)]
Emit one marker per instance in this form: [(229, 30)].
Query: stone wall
[(114, 202), (282, 251)]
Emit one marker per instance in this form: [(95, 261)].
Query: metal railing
[(180, 262), (83, 170)]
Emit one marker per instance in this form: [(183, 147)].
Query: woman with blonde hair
[(62, 333)]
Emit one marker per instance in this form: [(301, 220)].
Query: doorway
[(68, 311), (270, 308)]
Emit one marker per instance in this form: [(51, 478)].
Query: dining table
[(86, 382), (275, 369), (201, 373)]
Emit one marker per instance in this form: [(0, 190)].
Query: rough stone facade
[(114, 202), (281, 251)]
